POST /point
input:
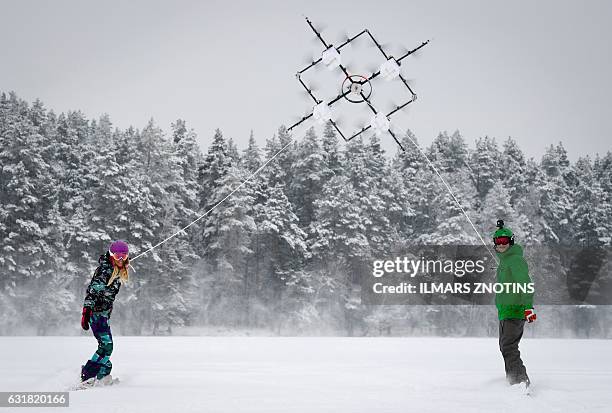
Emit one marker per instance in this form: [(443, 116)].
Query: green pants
[(99, 365)]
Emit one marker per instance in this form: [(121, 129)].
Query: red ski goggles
[(119, 256), (501, 240)]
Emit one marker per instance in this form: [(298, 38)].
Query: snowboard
[(523, 388), (95, 383)]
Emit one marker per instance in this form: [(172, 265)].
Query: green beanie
[(503, 232)]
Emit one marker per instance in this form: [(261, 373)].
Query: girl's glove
[(85, 318), (530, 315)]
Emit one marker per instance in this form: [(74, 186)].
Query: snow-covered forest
[(285, 253)]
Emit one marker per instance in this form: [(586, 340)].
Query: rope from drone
[(366, 99), (343, 94)]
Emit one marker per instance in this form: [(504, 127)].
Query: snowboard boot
[(89, 370)]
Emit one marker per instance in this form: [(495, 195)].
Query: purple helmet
[(119, 247)]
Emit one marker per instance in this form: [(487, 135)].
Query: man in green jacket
[(514, 303)]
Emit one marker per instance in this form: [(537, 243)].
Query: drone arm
[(305, 118), (338, 129), (397, 140), (408, 53), (309, 66), (408, 86), (377, 44), (317, 101), (351, 39), (317, 33)]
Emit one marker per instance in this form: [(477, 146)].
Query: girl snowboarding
[(97, 308)]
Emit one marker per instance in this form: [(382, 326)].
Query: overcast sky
[(539, 71)]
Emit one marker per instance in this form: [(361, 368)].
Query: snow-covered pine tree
[(214, 167), (411, 160), (448, 225), (555, 198), (485, 165), (283, 247), (251, 156), (232, 151), (170, 273), (309, 171), (331, 151), (514, 170), (417, 179), (26, 185), (589, 213), (449, 153), (186, 155), (228, 248), (602, 169)]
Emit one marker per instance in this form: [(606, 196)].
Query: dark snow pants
[(510, 333), (99, 365)]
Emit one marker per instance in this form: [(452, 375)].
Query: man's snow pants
[(99, 365), (510, 334)]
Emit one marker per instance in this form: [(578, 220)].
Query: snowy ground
[(257, 374)]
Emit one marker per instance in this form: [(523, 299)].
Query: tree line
[(283, 253)]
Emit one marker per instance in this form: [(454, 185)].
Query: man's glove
[(530, 315), (85, 318)]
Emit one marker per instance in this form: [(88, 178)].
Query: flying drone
[(356, 88)]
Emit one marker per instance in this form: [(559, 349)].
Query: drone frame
[(349, 77)]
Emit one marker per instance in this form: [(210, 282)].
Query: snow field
[(272, 374)]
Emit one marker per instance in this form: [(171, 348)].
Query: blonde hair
[(122, 273)]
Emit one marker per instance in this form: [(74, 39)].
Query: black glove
[(85, 318)]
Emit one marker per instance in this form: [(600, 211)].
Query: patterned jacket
[(100, 297)]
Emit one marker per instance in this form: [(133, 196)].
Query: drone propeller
[(403, 50), (294, 119), (307, 99), (343, 37), (340, 121), (314, 85), (397, 107), (320, 28), (308, 59), (384, 46), (371, 68), (411, 82), (361, 125)]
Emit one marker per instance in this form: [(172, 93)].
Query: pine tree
[(485, 164), (339, 244), (26, 182), (417, 178), (186, 155), (251, 157), (339, 230), (554, 198), (514, 171), (449, 153), (227, 233), (284, 246), (213, 168), (411, 160), (232, 152), (309, 171), (589, 212), (331, 151)]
